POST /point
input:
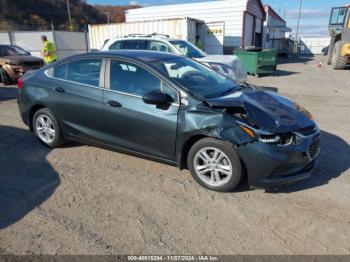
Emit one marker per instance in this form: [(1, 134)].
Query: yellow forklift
[(339, 29)]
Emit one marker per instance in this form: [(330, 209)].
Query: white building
[(313, 45), (275, 29), (228, 24)]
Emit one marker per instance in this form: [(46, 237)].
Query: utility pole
[(285, 11), (107, 14), (69, 16), (297, 32)]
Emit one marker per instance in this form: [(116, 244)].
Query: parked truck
[(339, 29)]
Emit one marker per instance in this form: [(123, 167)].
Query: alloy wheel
[(212, 166), (45, 129)]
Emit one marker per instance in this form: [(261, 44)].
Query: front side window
[(86, 71), (135, 80), (159, 46)]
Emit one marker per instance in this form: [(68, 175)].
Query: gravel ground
[(85, 200)]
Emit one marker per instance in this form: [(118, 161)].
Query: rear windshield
[(18, 51)]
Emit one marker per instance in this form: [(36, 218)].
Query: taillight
[(20, 83)]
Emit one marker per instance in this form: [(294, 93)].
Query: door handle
[(113, 103), (60, 89)]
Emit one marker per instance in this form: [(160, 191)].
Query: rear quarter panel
[(34, 92)]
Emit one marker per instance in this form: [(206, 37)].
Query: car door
[(77, 96), (129, 122)]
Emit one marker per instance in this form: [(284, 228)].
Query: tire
[(338, 61), (4, 77), (212, 175), (50, 135)]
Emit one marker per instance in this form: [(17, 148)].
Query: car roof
[(8, 45), (166, 39), (145, 56)]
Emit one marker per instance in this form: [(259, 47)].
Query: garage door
[(248, 29)]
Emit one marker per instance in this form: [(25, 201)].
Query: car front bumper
[(270, 166)]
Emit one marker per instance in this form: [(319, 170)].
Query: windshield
[(188, 49), (15, 50), (195, 77), (338, 15)]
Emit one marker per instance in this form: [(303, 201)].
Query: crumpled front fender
[(205, 122)]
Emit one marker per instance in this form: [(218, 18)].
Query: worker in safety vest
[(49, 50), (198, 42)]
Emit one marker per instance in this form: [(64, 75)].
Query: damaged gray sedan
[(175, 110)]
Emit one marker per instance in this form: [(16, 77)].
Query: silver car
[(229, 65)]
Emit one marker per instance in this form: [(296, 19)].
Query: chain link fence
[(67, 43)]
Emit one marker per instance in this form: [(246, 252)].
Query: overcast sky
[(314, 20)]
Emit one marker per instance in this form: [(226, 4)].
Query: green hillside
[(40, 14)]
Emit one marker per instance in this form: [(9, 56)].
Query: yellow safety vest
[(50, 48), (199, 44)]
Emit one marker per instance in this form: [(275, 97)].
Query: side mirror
[(156, 97)]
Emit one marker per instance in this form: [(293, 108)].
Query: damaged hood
[(268, 110)]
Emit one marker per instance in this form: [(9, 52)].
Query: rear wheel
[(338, 61), (47, 129), (215, 165)]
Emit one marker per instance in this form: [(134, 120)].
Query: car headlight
[(270, 138)]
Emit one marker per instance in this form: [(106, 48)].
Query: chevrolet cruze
[(175, 110)]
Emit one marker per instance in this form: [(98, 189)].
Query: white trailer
[(313, 45), (241, 20), (181, 28)]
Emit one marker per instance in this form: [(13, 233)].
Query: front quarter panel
[(200, 120)]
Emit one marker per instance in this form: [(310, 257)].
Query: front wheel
[(47, 129), (215, 165)]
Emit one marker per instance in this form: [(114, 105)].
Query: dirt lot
[(85, 200)]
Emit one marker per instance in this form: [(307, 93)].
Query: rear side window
[(60, 71), (86, 71), (135, 44)]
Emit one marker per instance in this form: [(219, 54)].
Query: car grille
[(307, 130), (314, 148)]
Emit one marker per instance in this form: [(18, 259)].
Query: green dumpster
[(258, 63)]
